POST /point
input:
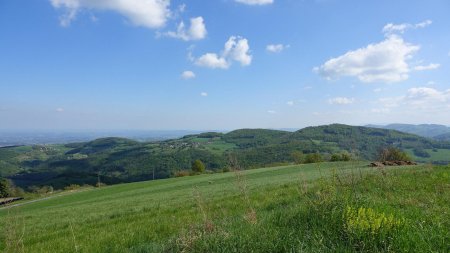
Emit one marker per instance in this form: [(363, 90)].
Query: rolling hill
[(119, 160)]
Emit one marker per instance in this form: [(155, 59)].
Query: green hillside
[(302, 208), (118, 160)]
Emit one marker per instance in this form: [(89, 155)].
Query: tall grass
[(302, 208), (344, 213)]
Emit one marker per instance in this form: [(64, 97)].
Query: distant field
[(436, 155), (154, 216)]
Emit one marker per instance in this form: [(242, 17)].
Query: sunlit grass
[(282, 209)]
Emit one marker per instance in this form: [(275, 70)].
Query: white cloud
[(203, 94), (276, 48), (59, 110), (235, 49), (290, 103), (422, 95), (146, 13), (213, 61), (378, 90), (401, 28), (254, 2), (419, 99), (187, 75), (196, 31), (427, 67), (341, 101), (271, 112), (385, 61)]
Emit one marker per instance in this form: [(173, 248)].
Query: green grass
[(282, 209), (435, 156)]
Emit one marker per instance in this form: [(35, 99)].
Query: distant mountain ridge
[(425, 130)]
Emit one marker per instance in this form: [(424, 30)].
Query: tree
[(297, 156), (313, 158), (392, 154), (198, 166), (335, 158), (5, 188)]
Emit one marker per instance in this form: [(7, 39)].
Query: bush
[(335, 158), (72, 187), (182, 173), (198, 166), (5, 188), (345, 157), (392, 154), (365, 226), (313, 158), (298, 157)]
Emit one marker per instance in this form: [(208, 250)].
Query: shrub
[(345, 157), (313, 158), (392, 154), (365, 226), (298, 157), (182, 173), (198, 166), (72, 187), (5, 188), (335, 158)]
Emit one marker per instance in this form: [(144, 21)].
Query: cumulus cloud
[(213, 61), (341, 101), (196, 31), (424, 95), (235, 49), (418, 99), (254, 2), (386, 61), (427, 67), (290, 103), (276, 48), (187, 75), (401, 28), (146, 13), (204, 94)]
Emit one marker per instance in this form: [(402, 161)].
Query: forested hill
[(116, 160)]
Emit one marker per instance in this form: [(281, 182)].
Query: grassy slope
[(148, 216), (436, 155)]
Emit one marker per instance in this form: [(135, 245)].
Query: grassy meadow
[(327, 207)]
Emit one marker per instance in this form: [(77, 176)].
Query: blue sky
[(222, 64)]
